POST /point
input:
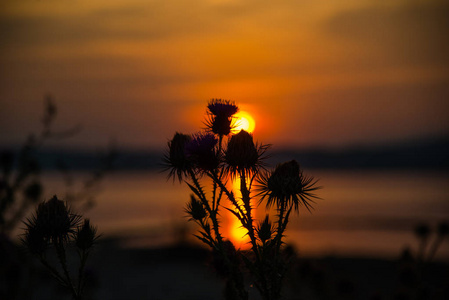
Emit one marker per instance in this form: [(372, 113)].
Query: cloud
[(153, 20)]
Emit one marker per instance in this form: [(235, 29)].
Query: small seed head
[(196, 209), (85, 236), (54, 219), (176, 160), (265, 230)]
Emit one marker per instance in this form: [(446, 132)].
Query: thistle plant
[(21, 187), (425, 235), (218, 155), (55, 226)]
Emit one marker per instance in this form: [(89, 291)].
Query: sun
[(243, 120)]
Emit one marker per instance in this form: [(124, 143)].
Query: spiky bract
[(196, 209), (86, 236), (52, 222), (265, 230), (287, 186), (242, 155), (176, 160), (220, 114), (202, 152)]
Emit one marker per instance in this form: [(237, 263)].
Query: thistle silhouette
[(55, 226), (205, 156), (21, 187)]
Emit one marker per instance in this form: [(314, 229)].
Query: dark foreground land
[(185, 271)]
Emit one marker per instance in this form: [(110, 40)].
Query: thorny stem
[(263, 287), (215, 207), (200, 190), (434, 248), (63, 261), (206, 229), (422, 249), (287, 215), (53, 271), (247, 222), (216, 199), (212, 213), (249, 219), (220, 194), (230, 196), (280, 230), (214, 190), (83, 258), (246, 219), (236, 277)]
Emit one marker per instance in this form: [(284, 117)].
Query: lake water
[(361, 212)]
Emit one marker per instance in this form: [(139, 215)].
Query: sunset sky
[(311, 73)]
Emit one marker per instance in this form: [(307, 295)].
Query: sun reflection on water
[(237, 234)]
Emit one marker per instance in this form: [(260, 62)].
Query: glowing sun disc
[(244, 121)]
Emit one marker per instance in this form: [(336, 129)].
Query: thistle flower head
[(222, 107), (220, 116), (176, 160), (53, 220), (242, 155), (196, 209), (202, 152), (85, 236), (287, 185)]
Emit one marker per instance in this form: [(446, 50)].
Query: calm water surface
[(361, 212)]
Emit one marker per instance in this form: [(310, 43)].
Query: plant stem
[(212, 213), (249, 219), (83, 258), (63, 261), (434, 248), (229, 194), (53, 271)]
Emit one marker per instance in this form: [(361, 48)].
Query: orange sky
[(326, 73)]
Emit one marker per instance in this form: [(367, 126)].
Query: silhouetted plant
[(25, 179), (201, 156), (55, 226), (415, 277), (20, 183), (424, 234)]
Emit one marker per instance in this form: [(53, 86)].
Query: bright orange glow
[(238, 234), (244, 121)]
